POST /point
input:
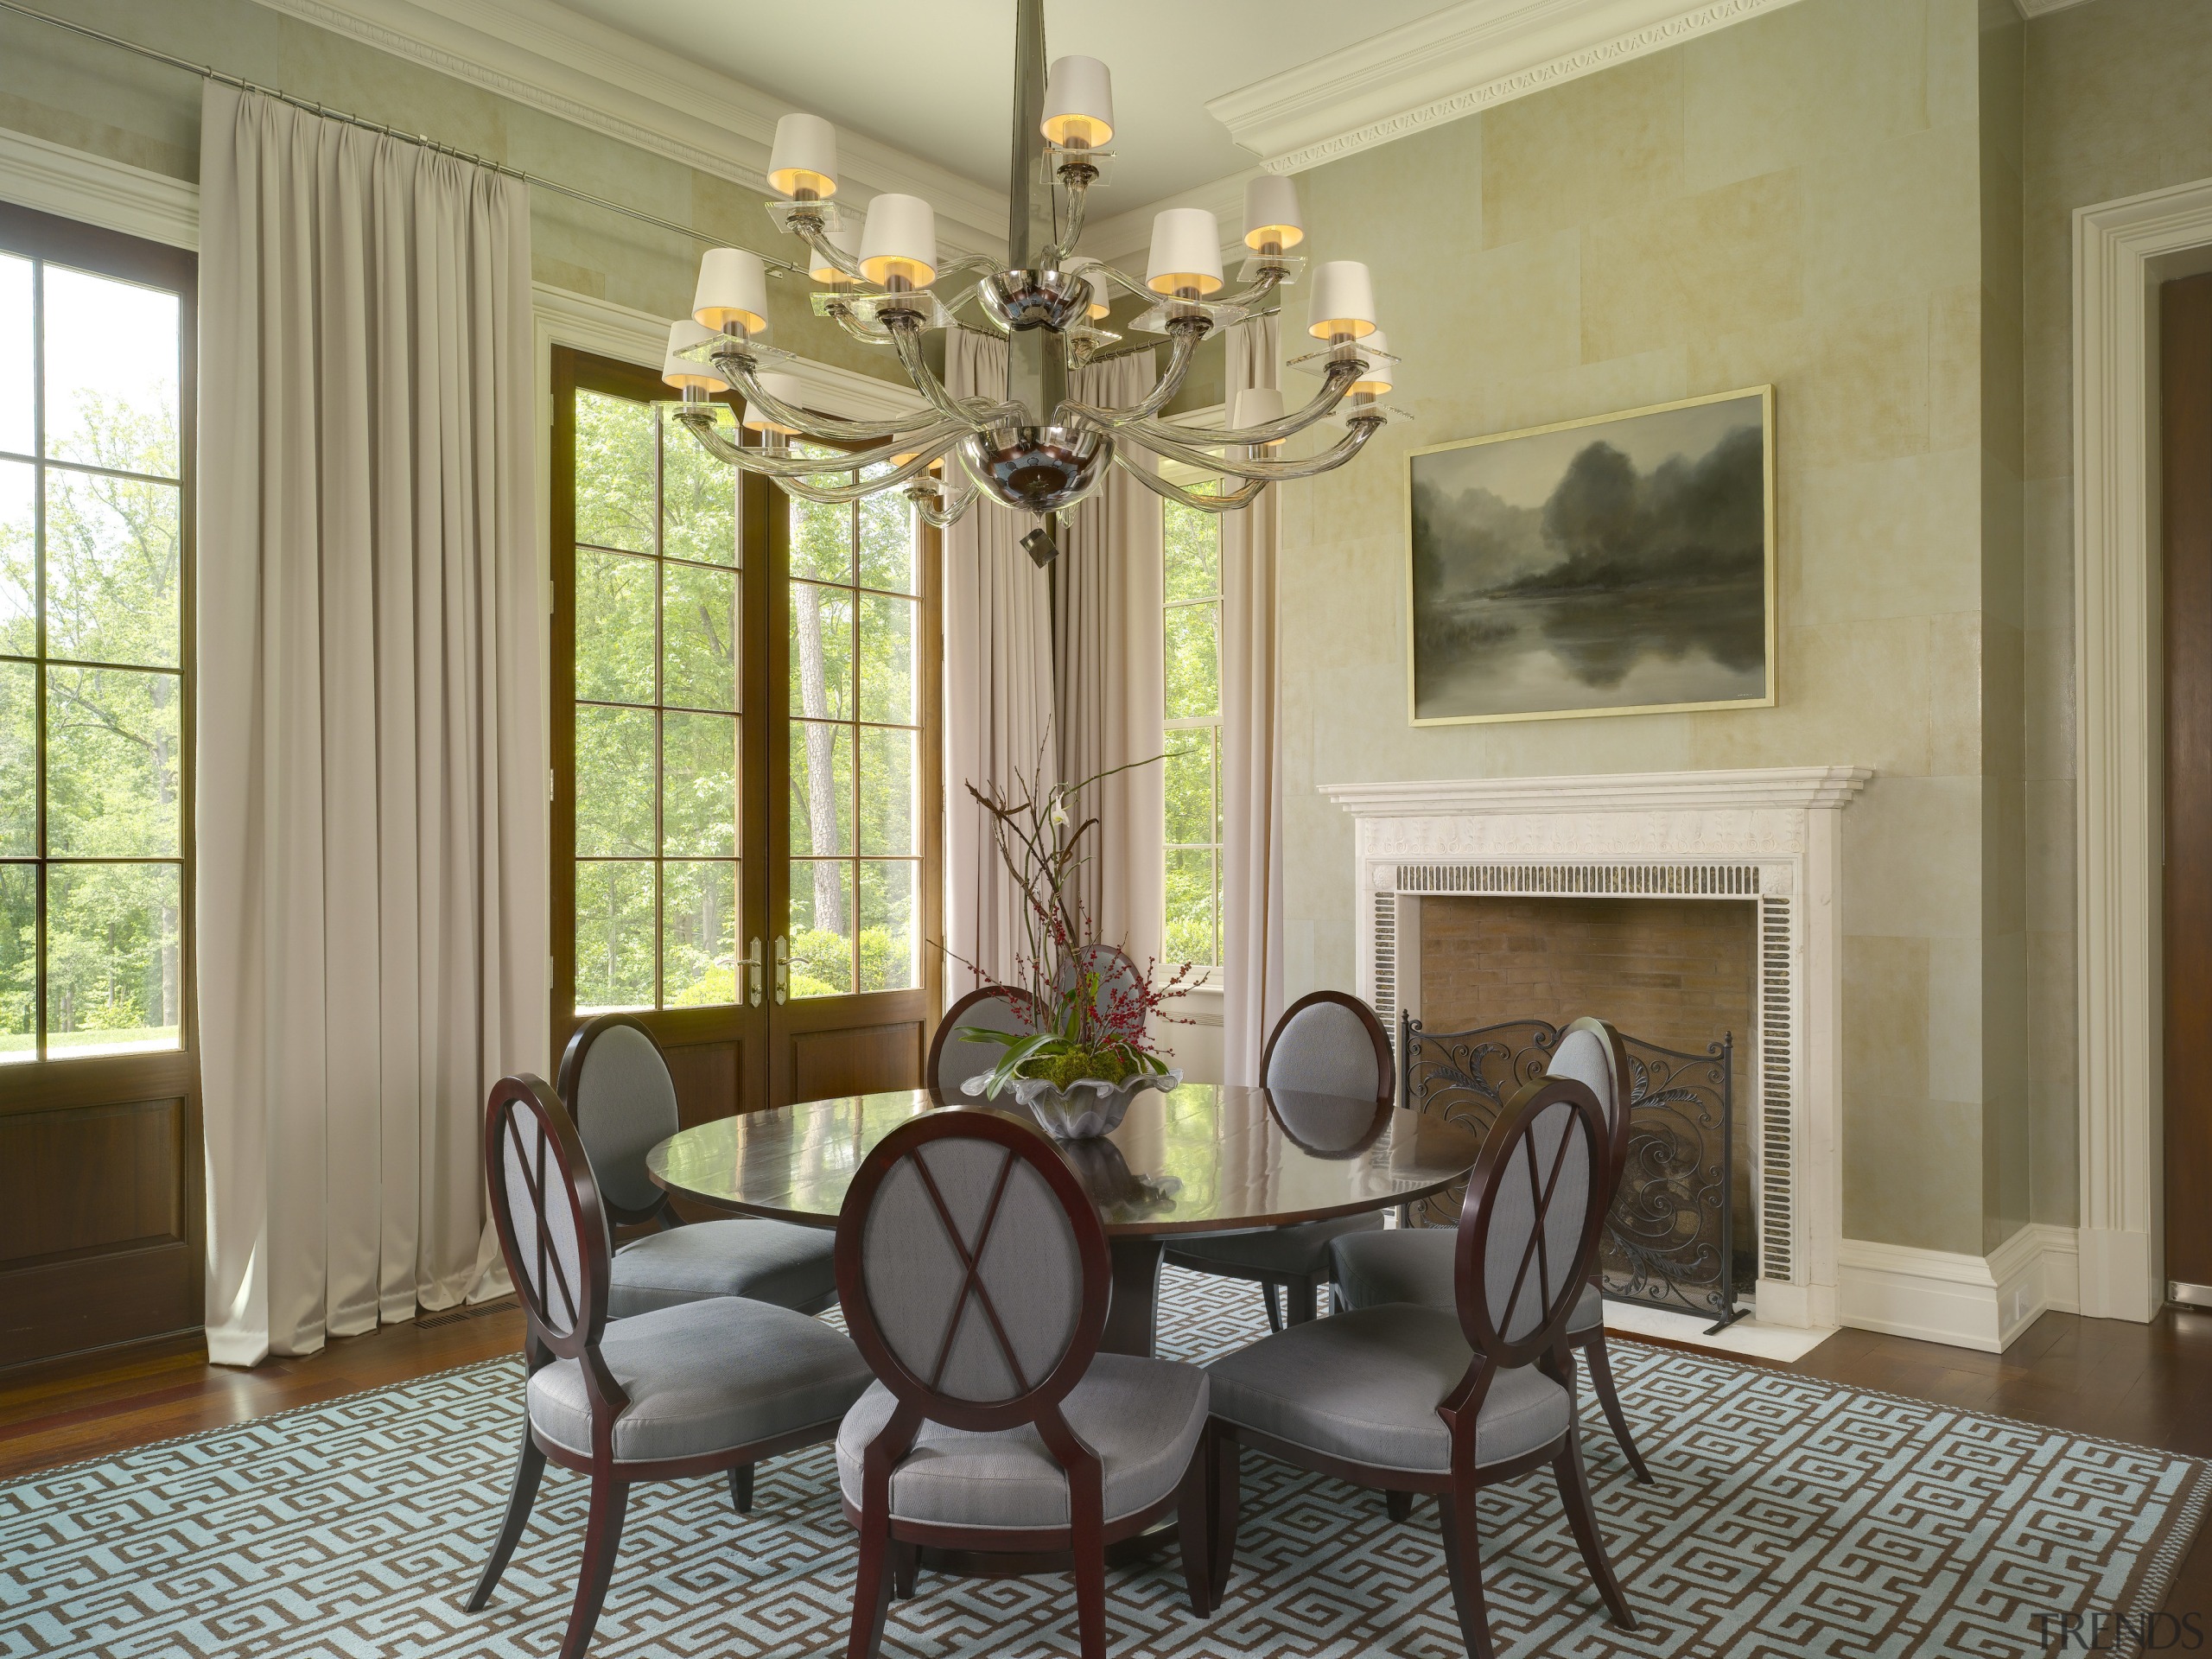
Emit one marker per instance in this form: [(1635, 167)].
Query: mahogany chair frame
[(1546, 1347), (572, 1330), (948, 1028), (1301, 1293), (889, 1546)]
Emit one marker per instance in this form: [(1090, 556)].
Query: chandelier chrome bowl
[(1039, 450)]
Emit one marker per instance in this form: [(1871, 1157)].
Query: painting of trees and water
[(1612, 566)]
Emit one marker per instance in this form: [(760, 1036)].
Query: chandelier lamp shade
[(883, 279)]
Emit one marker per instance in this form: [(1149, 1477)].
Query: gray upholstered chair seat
[(1302, 1250), (704, 1376), (1143, 1418), (1413, 1264), (768, 1261), (1364, 1386)]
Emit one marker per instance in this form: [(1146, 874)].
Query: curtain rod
[(208, 73)]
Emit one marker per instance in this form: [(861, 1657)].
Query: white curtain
[(1251, 766), (372, 884), (1111, 693), (998, 697)]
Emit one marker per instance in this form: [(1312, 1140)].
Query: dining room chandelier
[(1039, 450)]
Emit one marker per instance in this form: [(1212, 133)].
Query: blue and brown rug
[(1790, 1517)]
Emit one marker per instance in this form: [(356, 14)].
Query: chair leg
[(871, 1590), (1304, 1304), (1400, 1505), (1224, 1481), (1601, 1381), (520, 1495), (1194, 1525), (1463, 1556), (1274, 1312), (602, 1536), (906, 1566), (740, 1488), (1574, 1496)]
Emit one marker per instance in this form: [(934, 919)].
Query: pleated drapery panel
[(1251, 760), (1112, 694), (998, 697), (372, 747)]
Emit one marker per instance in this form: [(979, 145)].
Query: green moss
[(1063, 1070)]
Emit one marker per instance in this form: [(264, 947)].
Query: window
[(855, 731), (94, 788), (659, 741), (1193, 658)]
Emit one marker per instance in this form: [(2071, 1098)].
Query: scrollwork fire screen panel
[(1671, 1240)]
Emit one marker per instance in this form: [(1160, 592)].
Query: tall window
[(855, 846), (1192, 627), (93, 812), (658, 740)]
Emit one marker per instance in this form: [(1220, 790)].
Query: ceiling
[(934, 78)]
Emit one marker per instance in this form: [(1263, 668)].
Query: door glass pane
[(890, 937), (615, 473), (699, 786), (699, 935), (112, 747), (112, 547), (112, 983), (887, 791), (614, 628), (888, 542), (822, 651), (18, 558), (698, 497), (614, 936), (699, 638), (822, 788), (18, 963), (15, 381), (614, 785), (886, 639), (821, 931), (111, 373), (18, 760)]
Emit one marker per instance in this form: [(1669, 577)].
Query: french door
[(745, 806)]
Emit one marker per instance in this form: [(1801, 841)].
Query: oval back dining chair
[(1415, 1264), (1116, 975), (697, 1387), (615, 1082), (1326, 1043), (974, 1276), (1419, 1399), (954, 1058)]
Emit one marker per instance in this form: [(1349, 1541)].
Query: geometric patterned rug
[(1791, 1516)]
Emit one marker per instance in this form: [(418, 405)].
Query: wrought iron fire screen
[(1671, 1240)]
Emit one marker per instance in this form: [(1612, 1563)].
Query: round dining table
[(1204, 1158)]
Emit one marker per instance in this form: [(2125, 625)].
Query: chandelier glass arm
[(1340, 381), (1078, 197), (837, 495), (976, 414), (1228, 501), (701, 423), (952, 508), (742, 376), (1188, 334), (1266, 471)]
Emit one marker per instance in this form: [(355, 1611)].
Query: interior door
[(855, 879), (2185, 325), (660, 820)]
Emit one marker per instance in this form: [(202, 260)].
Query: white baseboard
[(1968, 1302)]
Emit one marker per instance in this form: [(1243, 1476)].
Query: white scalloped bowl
[(1090, 1108)]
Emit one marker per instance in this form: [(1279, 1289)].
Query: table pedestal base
[(1132, 1318)]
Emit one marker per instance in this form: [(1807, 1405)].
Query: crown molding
[(1454, 62), (1790, 788), (114, 195), (543, 54), (2032, 9)]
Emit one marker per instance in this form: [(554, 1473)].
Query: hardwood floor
[(2150, 1384)]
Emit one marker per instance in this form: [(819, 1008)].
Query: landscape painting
[(1623, 564)]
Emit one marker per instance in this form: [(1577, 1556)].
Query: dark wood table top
[(1206, 1158)]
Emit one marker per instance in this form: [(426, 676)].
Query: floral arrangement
[(1086, 1025)]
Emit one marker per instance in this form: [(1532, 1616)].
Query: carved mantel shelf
[(1798, 788)]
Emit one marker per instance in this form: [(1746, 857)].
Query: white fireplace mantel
[(1766, 834)]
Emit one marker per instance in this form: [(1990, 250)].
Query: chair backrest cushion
[(550, 1231), (954, 1060), (1582, 1054), (625, 1106), (1524, 1241), (1325, 1048)]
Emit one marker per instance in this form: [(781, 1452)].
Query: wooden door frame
[(52, 1088)]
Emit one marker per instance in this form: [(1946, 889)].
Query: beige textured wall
[(2115, 98), (91, 97), (1794, 199)]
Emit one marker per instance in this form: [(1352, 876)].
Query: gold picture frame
[(1563, 630)]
